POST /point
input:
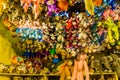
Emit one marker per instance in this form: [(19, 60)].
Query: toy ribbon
[(89, 6)]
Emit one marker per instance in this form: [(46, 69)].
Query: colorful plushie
[(69, 24), (16, 60), (108, 13), (51, 5), (97, 2), (112, 27), (56, 59), (89, 6), (61, 3)]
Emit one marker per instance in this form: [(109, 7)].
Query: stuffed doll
[(79, 65)]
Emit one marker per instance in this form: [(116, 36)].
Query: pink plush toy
[(79, 65)]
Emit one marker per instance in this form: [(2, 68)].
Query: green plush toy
[(112, 28)]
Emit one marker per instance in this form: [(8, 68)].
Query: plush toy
[(51, 5), (21, 69), (56, 59), (112, 27), (79, 65), (37, 64), (108, 12), (96, 66), (61, 3), (97, 2), (12, 69), (65, 70), (106, 63), (16, 60), (29, 67), (3, 68)]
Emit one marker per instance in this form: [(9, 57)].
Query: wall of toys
[(38, 36)]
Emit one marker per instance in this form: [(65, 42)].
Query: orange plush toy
[(63, 5), (97, 2)]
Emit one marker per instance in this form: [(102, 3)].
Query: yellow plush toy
[(65, 70), (112, 28)]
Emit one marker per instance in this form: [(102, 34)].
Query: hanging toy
[(25, 4), (89, 6), (3, 5), (97, 2), (61, 3), (69, 24), (112, 27), (51, 5), (37, 8), (108, 13)]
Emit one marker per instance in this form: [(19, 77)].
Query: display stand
[(113, 75)]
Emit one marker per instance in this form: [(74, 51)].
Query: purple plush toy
[(51, 5)]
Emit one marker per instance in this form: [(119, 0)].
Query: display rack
[(46, 76)]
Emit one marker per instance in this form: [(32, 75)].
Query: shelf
[(14, 74), (46, 76)]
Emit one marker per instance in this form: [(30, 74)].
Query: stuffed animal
[(65, 70), (3, 68), (21, 69), (29, 67), (112, 27), (61, 3), (12, 69), (51, 5), (106, 63)]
